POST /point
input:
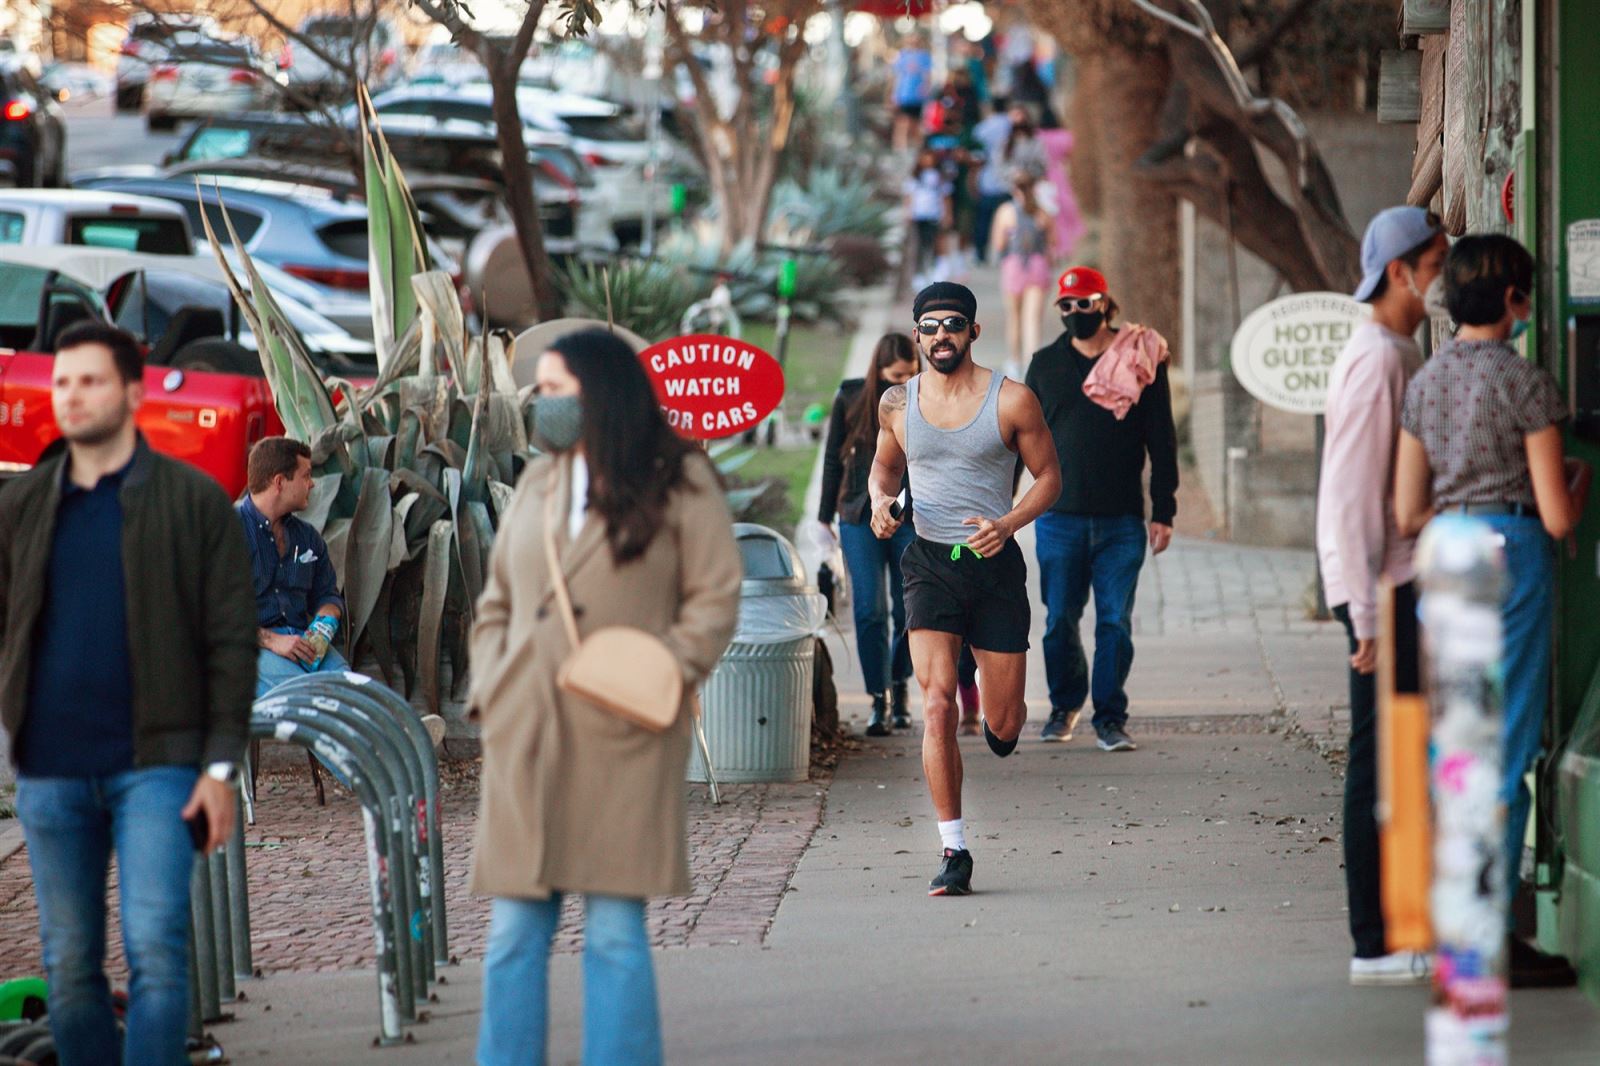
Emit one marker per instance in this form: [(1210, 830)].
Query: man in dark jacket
[(1094, 537), (127, 663)]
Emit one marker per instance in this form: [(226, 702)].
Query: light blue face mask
[(1518, 327), (557, 422)]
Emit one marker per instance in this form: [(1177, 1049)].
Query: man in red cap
[(1103, 389)]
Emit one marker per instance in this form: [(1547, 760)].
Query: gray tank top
[(1027, 237), (959, 473)]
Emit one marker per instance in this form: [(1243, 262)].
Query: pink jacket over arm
[(1123, 370)]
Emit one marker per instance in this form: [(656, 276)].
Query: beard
[(947, 356), (99, 430)]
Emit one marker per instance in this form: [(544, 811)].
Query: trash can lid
[(771, 563)]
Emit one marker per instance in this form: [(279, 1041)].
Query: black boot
[(878, 724), (900, 707)]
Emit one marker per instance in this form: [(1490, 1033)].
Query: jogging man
[(127, 659), (960, 428)]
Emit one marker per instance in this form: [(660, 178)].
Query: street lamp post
[(1462, 571)]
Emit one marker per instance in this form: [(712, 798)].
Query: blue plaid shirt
[(289, 588)]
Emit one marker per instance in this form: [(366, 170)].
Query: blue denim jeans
[(273, 669), (621, 1023), (1079, 554), (1527, 619), (72, 825), (885, 653)]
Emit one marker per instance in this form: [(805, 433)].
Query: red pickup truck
[(205, 399)]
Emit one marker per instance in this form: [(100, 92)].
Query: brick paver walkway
[(308, 896)]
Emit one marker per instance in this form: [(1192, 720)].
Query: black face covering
[(1083, 324)]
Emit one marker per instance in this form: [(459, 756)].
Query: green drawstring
[(955, 552)]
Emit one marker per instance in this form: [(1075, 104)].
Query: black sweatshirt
[(844, 480), (1102, 459)]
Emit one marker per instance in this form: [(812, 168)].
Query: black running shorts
[(983, 600)]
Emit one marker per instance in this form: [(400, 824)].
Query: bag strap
[(558, 579)]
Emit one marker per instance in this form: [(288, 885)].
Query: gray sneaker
[(1113, 738), (1061, 725)]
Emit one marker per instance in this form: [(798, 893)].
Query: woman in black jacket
[(846, 464)]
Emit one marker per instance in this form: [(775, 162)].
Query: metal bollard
[(222, 926), (1462, 573), (239, 899), (205, 943)]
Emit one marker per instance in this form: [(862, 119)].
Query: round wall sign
[(712, 387), (1283, 353)]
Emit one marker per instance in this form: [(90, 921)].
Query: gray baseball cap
[(1392, 233)]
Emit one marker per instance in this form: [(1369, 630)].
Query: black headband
[(945, 296)]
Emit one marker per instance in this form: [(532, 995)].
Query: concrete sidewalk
[(1181, 904)]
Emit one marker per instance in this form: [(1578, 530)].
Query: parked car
[(306, 231), (437, 158), (372, 46), (203, 77), (150, 39), (33, 138), (76, 82), (104, 219), (605, 135), (206, 418)]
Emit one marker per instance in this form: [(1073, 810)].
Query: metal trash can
[(757, 702)]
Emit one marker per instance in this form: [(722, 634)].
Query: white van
[(96, 219)]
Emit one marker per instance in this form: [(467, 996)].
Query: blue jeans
[(273, 669), (1527, 618), (72, 825), (1079, 554), (885, 654), (621, 1024)]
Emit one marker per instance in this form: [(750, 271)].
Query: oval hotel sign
[(1283, 353)]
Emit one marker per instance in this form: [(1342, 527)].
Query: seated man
[(294, 579)]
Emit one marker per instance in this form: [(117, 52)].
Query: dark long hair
[(635, 459), (862, 434)]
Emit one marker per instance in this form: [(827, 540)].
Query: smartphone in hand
[(199, 829)]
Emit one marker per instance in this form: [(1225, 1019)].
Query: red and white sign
[(712, 387)]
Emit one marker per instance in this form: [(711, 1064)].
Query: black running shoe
[(878, 724), (955, 874), (1000, 747)]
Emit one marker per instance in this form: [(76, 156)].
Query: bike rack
[(375, 743)]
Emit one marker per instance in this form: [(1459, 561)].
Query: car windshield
[(11, 227), (605, 127), (212, 143), (163, 236), (20, 289)]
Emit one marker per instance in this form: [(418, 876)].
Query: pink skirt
[(1019, 273)]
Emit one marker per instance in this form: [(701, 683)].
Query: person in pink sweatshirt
[(1359, 544)]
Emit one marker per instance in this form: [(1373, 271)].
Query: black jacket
[(844, 478), (192, 632), (1102, 459)]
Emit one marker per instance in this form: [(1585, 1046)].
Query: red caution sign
[(712, 387)]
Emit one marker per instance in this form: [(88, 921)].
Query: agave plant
[(830, 203), (414, 470), (650, 296)]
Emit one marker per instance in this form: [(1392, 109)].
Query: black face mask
[(1083, 324)]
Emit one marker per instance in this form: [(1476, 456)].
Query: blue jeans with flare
[(621, 1022)]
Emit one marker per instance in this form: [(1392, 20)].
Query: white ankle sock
[(952, 835)]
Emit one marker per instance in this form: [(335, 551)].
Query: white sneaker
[(1398, 968)]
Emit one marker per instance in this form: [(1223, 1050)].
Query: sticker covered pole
[(1462, 572)]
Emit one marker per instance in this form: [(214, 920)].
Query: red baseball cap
[(1080, 282)]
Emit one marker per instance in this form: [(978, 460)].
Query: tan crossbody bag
[(631, 673)]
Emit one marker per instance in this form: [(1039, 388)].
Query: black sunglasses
[(954, 324)]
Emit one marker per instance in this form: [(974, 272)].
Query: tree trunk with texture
[(1086, 131), (518, 172), (1138, 219)]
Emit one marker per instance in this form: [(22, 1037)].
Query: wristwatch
[(226, 772)]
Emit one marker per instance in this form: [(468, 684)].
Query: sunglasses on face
[(954, 324), (1086, 303)]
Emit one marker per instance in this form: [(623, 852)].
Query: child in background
[(928, 207), (951, 262)]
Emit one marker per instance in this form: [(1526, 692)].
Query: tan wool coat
[(575, 799)]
